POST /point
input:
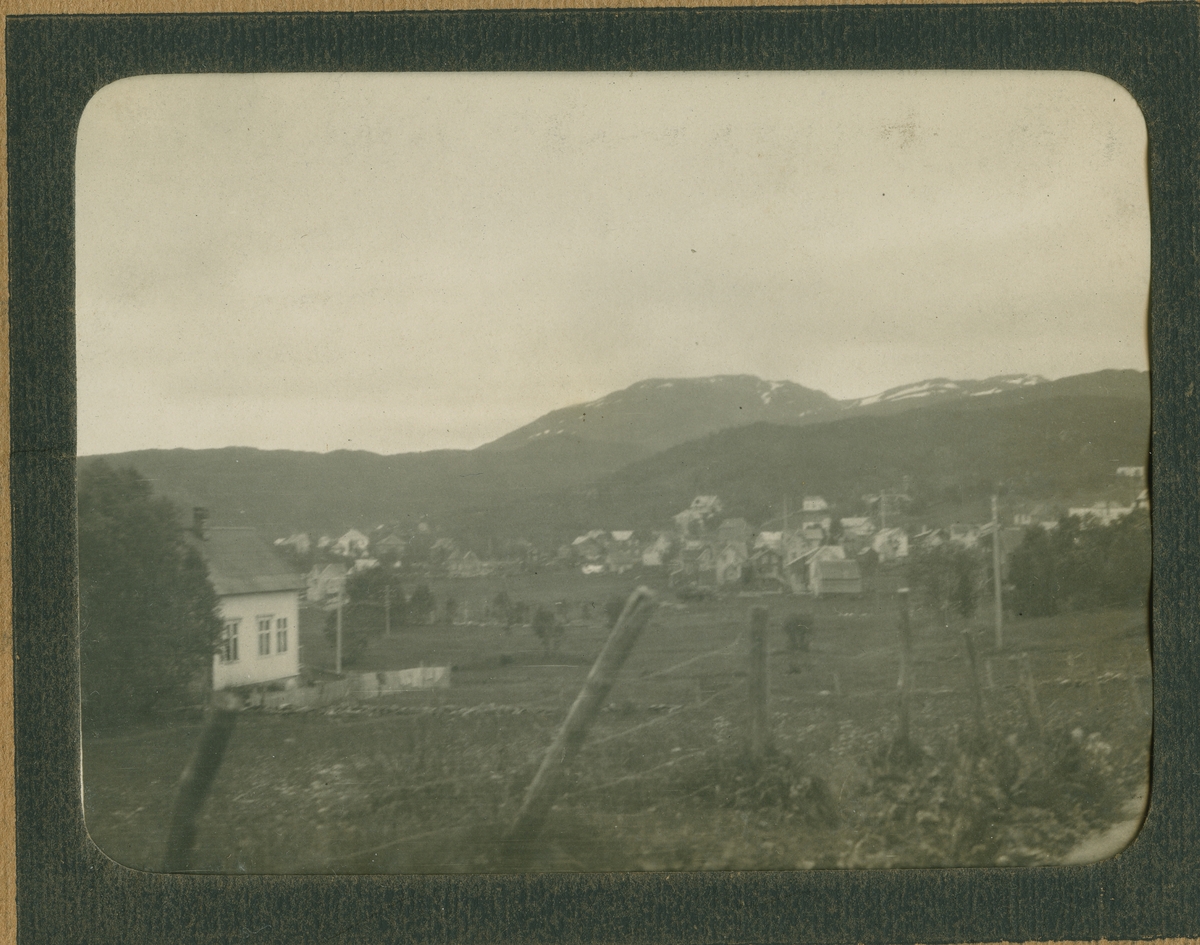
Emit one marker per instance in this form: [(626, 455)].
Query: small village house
[(966, 536), (591, 546), (258, 599), (798, 557), (857, 527), (352, 544), (730, 562), (767, 563), (390, 547), (828, 576), (298, 543), (656, 553), (621, 552), (694, 518), (695, 564), (466, 564), (890, 544), (1104, 512), (325, 581), (734, 529), (622, 556)]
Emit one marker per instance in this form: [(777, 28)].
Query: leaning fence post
[(547, 783), (198, 776), (760, 735)]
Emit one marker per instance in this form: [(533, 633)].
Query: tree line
[(1080, 564)]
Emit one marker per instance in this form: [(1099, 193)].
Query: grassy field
[(427, 781)]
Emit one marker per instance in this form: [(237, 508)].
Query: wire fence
[(935, 669)]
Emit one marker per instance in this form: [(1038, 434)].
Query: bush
[(373, 603), (421, 605), (797, 628), (613, 609), (548, 629), (949, 579), (972, 802)]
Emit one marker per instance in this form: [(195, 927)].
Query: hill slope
[(281, 491)]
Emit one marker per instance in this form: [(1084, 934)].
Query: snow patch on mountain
[(941, 387)]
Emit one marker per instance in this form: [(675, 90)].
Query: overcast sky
[(417, 261)]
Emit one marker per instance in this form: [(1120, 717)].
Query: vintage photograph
[(504, 472)]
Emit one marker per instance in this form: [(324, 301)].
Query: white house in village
[(325, 582), (352, 544), (1104, 512), (258, 599), (299, 543), (857, 527), (656, 553), (890, 544)]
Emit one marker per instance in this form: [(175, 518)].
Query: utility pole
[(996, 572), (338, 658)]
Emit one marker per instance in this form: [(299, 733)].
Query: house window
[(281, 634), (228, 649), (264, 636)]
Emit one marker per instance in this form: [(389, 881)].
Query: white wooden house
[(258, 599), (890, 544), (325, 581), (352, 544), (731, 562), (829, 575)]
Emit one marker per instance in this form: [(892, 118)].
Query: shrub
[(421, 605), (548, 629), (797, 628), (613, 609)]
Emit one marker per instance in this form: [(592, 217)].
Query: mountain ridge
[(658, 413), (1052, 436)]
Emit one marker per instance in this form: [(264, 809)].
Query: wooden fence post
[(976, 687), (903, 684), (1035, 711), (219, 720), (547, 783), (760, 735)]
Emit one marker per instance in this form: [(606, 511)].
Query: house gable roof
[(241, 562)]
